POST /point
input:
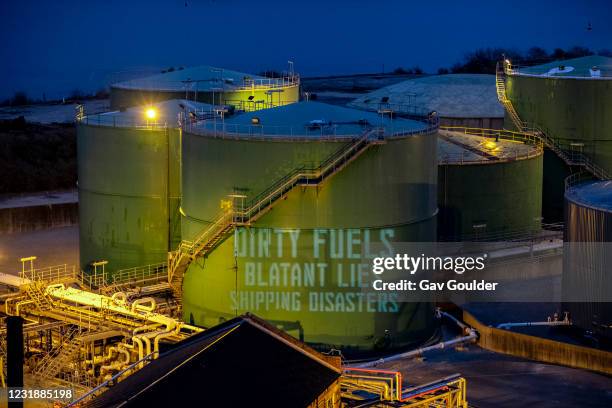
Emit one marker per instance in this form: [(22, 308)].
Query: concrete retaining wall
[(540, 349), (31, 218)]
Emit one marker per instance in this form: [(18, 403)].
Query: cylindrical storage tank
[(570, 101), (208, 85), (588, 234), (468, 100), (299, 266), (489, 185), (129, 185)]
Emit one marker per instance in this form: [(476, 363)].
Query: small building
[(241, 362)]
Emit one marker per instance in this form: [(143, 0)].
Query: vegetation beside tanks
[(36, 157), (483, 60)]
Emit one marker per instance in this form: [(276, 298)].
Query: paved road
[(499, 381)]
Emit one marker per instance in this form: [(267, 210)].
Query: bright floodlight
[(151, 113)]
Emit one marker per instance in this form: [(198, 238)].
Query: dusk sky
[(58, 46)]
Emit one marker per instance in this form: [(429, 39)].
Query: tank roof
[(595, 194), (455, 95), (456, 147), (312, 119), (572, 68), (166, 114), (202, 78)]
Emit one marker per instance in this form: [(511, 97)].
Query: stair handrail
[(583, 160), (232, 217), (303, 173)]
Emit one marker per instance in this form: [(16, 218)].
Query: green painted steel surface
[(129, 195), (575, 67), (123, 98), (299, 265), (491, 198), (576, 112)]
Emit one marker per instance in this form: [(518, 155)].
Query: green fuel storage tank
[(570, 101), (129, 189), (299, 266), (489, 184), (207, 84)]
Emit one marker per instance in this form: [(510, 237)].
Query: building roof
[(311, 119), (201, 78), (166, 114), (243, 361), (582, 67), (457, 148), (452, 96), (595, 194)]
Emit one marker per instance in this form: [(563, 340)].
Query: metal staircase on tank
[(245, 214), (570, 157), (53, 362), (36, 292)]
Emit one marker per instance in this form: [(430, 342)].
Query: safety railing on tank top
[(268, 83), (313, 131), (578, 178), (255, 105), (403, 110), (520, 70), (469, 157), (112, 120)]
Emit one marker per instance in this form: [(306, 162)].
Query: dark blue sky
[(56, 46)]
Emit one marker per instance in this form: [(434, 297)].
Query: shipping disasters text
[(320, 270)]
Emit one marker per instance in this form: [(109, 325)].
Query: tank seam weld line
[(120, 195), (400, 224)]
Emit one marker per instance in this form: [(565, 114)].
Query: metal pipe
[(469, 335), (117, 365), (22, 303), (139, 304), (138, 342), (526, 324), (159, 337), (119, 298)]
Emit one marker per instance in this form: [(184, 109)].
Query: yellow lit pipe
[(138, 304), (138, 342)]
